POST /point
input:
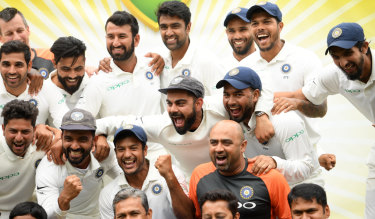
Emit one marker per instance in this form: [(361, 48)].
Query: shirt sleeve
[(48, 189), (299, 153), (110, 124), (194, 179), (326, 83), (105, 203)]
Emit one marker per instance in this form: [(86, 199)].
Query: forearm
[(311, 110)]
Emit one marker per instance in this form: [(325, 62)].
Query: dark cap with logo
[(186, 83), (241, 78), (345, 35), (237, 12), (133, 129), (271, 8), (78, 119)]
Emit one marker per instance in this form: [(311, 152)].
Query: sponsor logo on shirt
[(117, 85), (9, 176), (1, 106), (299, 133), (352, 91), (62, 99), (156, 189)]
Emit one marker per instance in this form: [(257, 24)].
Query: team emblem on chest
[(186, 72), (156, 189), (43, 72), (99, 172), (285, 68), (34, 102), (149, 75), (246, 192), (37, 162)]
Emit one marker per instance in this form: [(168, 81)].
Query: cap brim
[(342, 44), (229, 17), (126, 131), (235, 83), (165, 90), (77, 127)]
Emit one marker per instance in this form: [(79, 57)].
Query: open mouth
[(262, 38), (235, 111), (75, 154), (178, 121), (221, 160), (129, 164)]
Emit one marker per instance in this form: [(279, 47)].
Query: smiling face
[(265, 30), (174, 32), (239, 36), (226, 147), (132, 208), (77, 145), (130, 155), (70, 72), (350, 61), (14, 29), (302, 208), (120, 41), (18, 135), (240, 104), (13, 68)]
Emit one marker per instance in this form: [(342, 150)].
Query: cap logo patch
[(99, 173), (76, 116), (34, 102), (246, 192), (285, 68), (149, 75), (156, 189), (262, 3), (233, 72), (336, 32), (186, 72), (43, 72), (128, 126), (236, 10), (176, 80)]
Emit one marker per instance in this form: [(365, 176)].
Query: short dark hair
[(120, 18), (28, 208), (174, 8), (130, 192), (308, 192), (16, 46), (127, 134), (224, 195), (8, 14), (20, 109), (359, 45), (66, 47)]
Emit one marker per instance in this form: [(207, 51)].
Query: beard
[(247, 114), (356, 75), (244, 50), (70, 89), (189, 121), (84, 152), (178, 44), (122, 57)]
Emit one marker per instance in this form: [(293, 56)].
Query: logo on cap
[(336, 32), (77, 116), (43, 72), (285, 68), (128, 126), (262, 3), (233, 72), (236, 10), (99, 173), (149, 75), (186, 72), (156, 189), (246, 192), (34, 102), (176, 80)]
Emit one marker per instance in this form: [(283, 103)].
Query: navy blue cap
[(237, 12), (136, 130), (241, 78), (270, 8), (345, 35)]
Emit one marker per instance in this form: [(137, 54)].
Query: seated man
[(289, 151), (73, 189), (165, 186), (308, 201), (19, 158), (260, 197), (28, 210), (219, 204), (130, 202)]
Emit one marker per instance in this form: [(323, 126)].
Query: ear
[(365, 47), (188, 27), (137, 38), (327, 211), (237, 216), (94, 143), (3, 129), (199, 103), (243, 146), (149, 213), (54, 63), (145, 150), (256, 94), (281, 25)]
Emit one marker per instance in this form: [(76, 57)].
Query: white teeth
[(238, 43), (262, 35), (75, 152), (129, 161)]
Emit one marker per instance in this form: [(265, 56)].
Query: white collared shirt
[(50, 182), (154, 186), (17, 176)]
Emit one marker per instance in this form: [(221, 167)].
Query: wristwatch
[(259, 113)]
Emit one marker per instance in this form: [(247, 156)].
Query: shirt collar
[(94, 165), (152, 175)]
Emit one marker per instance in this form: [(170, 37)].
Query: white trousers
[(370, 186)]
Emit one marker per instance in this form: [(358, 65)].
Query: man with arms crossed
[(165, 186), (353, 76), (73, 189), (19, 158), (262, 196)]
